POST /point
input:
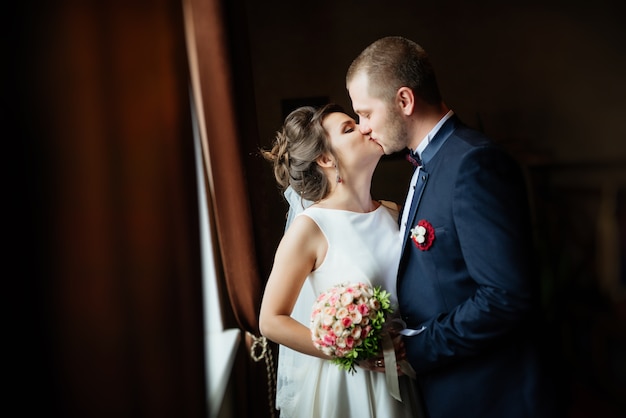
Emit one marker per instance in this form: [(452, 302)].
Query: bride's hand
[(377, 364)]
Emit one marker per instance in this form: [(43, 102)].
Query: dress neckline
[(380, 205)]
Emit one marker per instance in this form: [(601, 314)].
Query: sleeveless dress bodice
[(362, 247)]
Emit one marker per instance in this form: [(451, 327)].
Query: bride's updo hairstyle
[(297, 146)]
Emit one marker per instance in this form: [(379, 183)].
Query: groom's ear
[(405, 98)]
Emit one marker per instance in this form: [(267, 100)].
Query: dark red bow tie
[(414, 158)]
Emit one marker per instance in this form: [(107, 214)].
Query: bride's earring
[(339, 179)]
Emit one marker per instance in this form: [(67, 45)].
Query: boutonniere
[(423, 235)]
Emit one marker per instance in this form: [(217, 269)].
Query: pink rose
[(349, 342), (363, 309), (366, 331), (341, 352)]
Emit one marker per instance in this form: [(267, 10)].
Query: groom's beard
[(396, 131)]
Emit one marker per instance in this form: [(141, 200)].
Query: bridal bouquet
[(347, 320)]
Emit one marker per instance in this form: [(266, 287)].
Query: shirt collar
[(422, 146)]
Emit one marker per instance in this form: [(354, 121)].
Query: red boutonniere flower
[(423, 235)]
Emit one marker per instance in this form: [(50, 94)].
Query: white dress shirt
[(420, 148)]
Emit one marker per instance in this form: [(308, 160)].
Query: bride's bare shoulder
[(303, 241), (303, 228)]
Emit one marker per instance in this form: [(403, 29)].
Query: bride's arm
[(301, 250)]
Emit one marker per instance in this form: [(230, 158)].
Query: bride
[(320, 157)]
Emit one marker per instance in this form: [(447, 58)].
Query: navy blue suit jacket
[(474, 289)]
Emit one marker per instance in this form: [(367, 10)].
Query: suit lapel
[(422, 179), (427, 156)]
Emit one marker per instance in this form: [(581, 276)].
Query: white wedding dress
[(362, 247)]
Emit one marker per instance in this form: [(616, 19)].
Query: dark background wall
[(546, 74), (543, 78)]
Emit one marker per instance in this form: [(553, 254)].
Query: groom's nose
[(364, 127)]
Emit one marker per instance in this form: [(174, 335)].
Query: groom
[(465, 275)]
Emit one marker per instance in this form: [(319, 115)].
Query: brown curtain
[(224, 133), (105, 248), (213, 98)]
